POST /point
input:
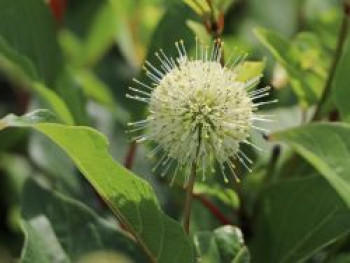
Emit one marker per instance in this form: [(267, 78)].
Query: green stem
[(338, 51), (189, 198)]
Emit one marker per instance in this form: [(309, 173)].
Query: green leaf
[(70, 223), (55, 164), (226, 195), (324, 18), (200, 31), (303, 83), (130, 198), (327, 148), (101, 35), (310, 54), (28, 26), (36, 239), (203, 9), (69, 90), (225, 244), (224, 5), (95, 89), (72, 47), (250, 69), (341, 82), (200, 7), (54, 102), (9, 55), (37, 116), (87, 51), (298, 217), (343, 257)]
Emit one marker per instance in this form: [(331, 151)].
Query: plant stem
[(130, 156), (338, 51), (271, 168), (189, 198), (213, 209)]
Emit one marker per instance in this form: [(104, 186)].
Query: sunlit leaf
[(131, 199), (226, 195), (250, 70), (306, 86)]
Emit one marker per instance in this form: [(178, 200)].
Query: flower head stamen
[(198, 109)]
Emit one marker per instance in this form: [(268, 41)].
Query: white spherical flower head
[(198, 110)]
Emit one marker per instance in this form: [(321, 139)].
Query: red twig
[(213, 209), (130, 157), (58, 8)]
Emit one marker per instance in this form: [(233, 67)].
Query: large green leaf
[(130, 198), (28, 27), (70, 222), (299, 217), (327, 148), (225, 244), (341, 82)]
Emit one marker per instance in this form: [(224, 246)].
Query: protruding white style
[(199, 111)]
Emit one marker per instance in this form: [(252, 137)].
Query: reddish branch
[(130, 156), (58, 8), (213, 209)]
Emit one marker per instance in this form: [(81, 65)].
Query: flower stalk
[(189, 198)]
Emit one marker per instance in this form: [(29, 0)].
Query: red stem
[(213, 209), (130, 157), (58, 8)]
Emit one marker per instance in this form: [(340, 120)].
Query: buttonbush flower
[(198, 110)]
